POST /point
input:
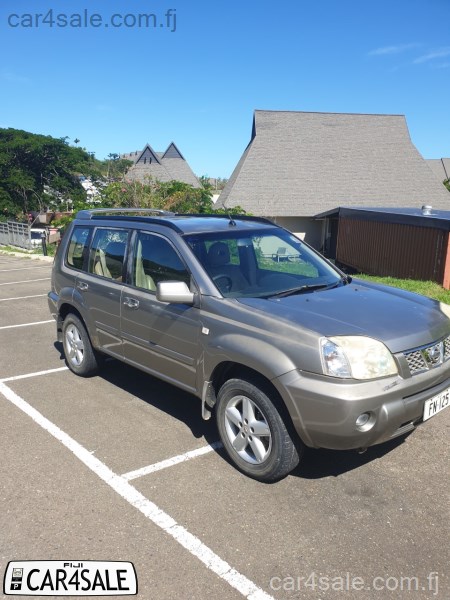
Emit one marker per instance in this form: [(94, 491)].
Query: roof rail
[(91, 213), (228, 216)]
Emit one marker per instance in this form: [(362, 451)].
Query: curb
[(25, 255)]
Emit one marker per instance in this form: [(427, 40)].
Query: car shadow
[(186, 408), (319, 464), (60, 348), (167, 398)]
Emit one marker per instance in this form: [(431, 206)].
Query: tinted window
[(155, 260), (78, 247), (107, 256)]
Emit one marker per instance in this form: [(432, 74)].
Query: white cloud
[(398, 49), (445, 65), (441, 53), (14, 77)]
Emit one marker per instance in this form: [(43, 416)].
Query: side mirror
[(174, 292)]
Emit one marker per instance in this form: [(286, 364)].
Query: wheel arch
[(65, 309), (231, 370)]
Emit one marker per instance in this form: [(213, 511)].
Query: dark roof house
[(162, 166), (300, 164)]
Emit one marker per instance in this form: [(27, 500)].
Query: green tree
[(36, 170)]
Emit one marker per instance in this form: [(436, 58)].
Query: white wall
[(303, 227)]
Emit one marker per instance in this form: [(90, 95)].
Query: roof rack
[(227, 216), (92, 213)]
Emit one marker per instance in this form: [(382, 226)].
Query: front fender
[(256, 354)]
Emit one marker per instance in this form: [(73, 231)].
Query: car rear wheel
[(253, 432), (80, 355)]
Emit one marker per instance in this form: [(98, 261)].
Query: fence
[(15, 234)]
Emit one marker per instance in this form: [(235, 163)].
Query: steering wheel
[(227, 282)]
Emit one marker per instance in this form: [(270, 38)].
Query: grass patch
[(51, 250), (426, 288)]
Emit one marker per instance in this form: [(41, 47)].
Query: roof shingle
[(162, 166), (301, 163)]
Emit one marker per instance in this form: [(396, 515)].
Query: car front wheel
[(80, 355), (253, 432)]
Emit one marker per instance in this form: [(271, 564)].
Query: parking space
[(121, 467), (129, 419)]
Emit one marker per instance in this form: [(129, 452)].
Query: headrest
[(218, 254)]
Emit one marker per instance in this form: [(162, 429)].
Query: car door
[(100, 287), (158, 337)]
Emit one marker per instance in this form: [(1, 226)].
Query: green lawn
[(426, 288), (51, 250)]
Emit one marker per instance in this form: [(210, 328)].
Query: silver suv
[(283, 347)]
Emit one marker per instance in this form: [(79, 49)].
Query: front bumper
[(324, 410)]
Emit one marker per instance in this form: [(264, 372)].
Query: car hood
[(401, 320)]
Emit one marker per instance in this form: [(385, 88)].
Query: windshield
[(262, 263)]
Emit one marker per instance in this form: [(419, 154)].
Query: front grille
[(416, 362), (447, 348), (428, 357)]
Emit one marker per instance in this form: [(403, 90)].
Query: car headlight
[(445, 308), (356, 357)]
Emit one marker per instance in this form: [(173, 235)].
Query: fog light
[(365, 421), (362, 419)]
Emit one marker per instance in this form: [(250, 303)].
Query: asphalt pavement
[(122, 467)]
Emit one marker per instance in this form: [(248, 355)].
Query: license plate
[(436, 404)]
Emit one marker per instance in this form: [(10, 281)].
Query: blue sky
[(197, 80)]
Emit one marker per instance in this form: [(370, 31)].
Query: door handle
[(81, 285), (131, 302)]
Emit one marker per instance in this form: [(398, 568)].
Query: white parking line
[(22, 297), (190, 542), (170, 462), (35, 374), (159, 466), (26, 281), (27, 324)]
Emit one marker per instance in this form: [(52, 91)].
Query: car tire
[(78, 350), (253, 432)]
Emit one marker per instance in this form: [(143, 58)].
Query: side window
[(78, 247), (107, 256), (156, 260)]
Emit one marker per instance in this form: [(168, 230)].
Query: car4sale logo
[(69, 578)]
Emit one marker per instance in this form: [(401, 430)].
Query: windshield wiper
[(301, 289)]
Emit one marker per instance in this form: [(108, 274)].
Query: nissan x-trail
[(281, 346)]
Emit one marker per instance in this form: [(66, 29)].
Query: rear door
[(99, 289)]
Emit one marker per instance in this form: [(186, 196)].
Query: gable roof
[(162, 166), (302, 163), (147, 155), (172, 152)]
